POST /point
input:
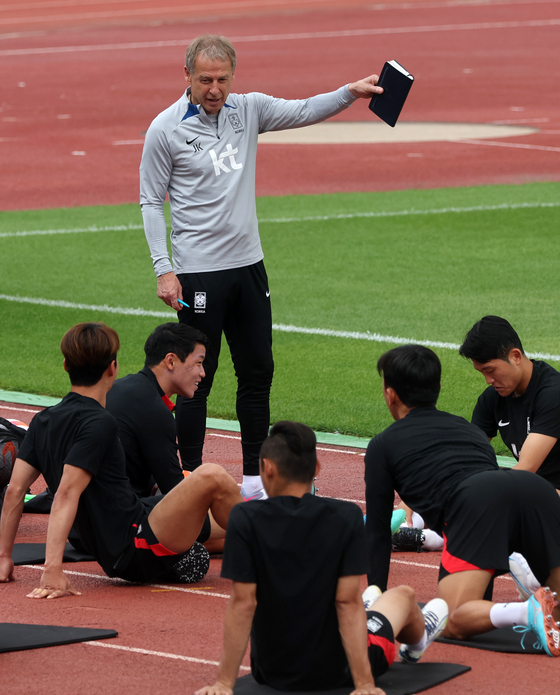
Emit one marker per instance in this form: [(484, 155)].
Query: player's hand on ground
[(169, 290), (216, 689), (54, 584), (366, 88), (368, 690), (6, 569)]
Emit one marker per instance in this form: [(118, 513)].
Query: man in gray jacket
[(202, 152)]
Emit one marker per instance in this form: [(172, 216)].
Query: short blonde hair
[(214, 48)]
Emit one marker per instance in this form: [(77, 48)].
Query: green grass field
[(415, 265)]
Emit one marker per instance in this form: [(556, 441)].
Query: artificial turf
[(421, 265)]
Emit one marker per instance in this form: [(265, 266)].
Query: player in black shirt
[(522, 400), (295, 561), (445, 469), (141, 405), (75, 446)]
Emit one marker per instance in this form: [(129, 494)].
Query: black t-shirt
[(295, 550), (424, 457), (537, 410), (147, 431), (80, 432)]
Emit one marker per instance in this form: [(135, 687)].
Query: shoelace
[(523, 630), (432, 623)]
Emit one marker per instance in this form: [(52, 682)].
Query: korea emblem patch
[(235, 122), (200, 302)]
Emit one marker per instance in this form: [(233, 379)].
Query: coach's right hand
[(169, 290)]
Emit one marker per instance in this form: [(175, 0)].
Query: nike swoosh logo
[(503, 424), (190, 142), (267, 294)]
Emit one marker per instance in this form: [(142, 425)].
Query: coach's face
[(210, 83), (187, 375), (503, 375)]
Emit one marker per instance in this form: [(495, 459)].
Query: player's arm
[(237, 628), (353, 632), (534, 451), (54, 583), (23, 476)]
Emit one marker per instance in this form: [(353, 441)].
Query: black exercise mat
[(400, 679), (503, 639), (16, 637), (34, 554)]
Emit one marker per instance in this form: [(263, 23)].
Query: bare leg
[(468, 613), (177, 519), (400, 608), (215, 543)]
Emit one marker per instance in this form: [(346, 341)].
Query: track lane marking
[(166, 655), (304, 36)]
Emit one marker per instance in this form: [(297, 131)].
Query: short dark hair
[(414, 372), (88, 349), (172, 337), (292, 446), (491, 338)]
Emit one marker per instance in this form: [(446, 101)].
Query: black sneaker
[(408, 540), (192, 565)]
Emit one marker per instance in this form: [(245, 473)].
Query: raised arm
[(54, 583), (353, 632), (22, 478), (237, 628)]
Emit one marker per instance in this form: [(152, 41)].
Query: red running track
[(485, 62), (474, 62)]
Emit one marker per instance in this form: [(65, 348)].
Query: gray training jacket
[(210, 177)]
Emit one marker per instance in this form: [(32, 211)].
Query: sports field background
[(412, 265)]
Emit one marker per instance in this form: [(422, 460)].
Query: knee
[(406, 594), (213, 476)]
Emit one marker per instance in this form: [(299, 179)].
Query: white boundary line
[(304, 36), (518, 146), (308, 218), (280, 327), (166, 655)]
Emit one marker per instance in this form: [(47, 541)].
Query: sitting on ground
[(444, 468), (75, 446), (295, 560)]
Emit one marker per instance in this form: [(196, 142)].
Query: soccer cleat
[(408, 540), (435, 614), (370, 596), (525, 581), (258, 495), (193, 565), (541, 623)]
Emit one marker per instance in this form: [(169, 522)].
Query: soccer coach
[(202, 152)]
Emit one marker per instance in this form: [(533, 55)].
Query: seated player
[(522, 400), (141, 406), (295, 560), (75, 446), (445, 469)]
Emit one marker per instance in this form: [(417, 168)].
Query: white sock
[(252, 484), (432, 540), (509, 614), (420, 646), (417, 521)]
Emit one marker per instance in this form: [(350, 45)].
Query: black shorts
[(381, 643), (495, 513), (150, 561)]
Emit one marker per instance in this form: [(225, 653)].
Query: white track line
[(319, 448), (166, 655), (280, 327), (19, 410), (307, 218), (518, 146), (305, 36)]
